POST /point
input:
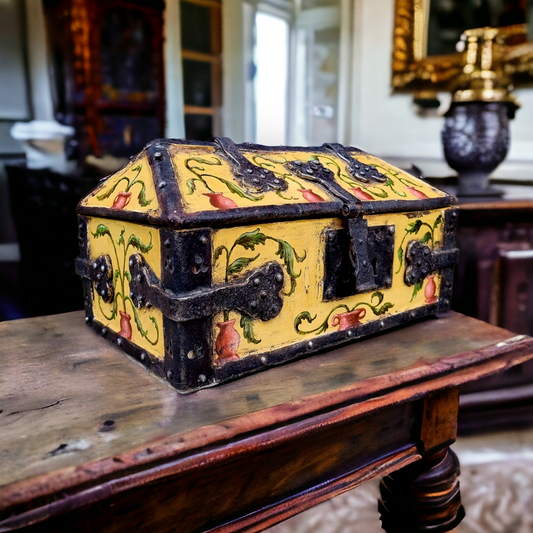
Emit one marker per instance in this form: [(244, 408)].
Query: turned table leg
[(423, 497)]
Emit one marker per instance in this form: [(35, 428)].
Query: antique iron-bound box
[(208, 260)]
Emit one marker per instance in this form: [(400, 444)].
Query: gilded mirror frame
[(414, 71)]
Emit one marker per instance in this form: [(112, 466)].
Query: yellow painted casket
[(209, 260)]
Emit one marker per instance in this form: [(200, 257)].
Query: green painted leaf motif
[(101, 230), (235, 189), (378, 295), (383, 309), (304, 315), (416, 288), (414, 227), (400, 258), (117, 275), (437, 243), (110, 191), (127, 275), (426, 238), (121, 237), (138, 244), (154, 321), (138, 168), (287, 253), (218, 252), (204, 161), (142, 196), (240, 263), (380, 194), (437, 222), (250, 239), (247, 325), (191, 186)]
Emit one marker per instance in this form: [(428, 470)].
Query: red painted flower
[(217, 199), (122, 199), (311, 196), (417, 193), (359, 193), (125, 325)]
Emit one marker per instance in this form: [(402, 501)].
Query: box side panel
[(118, 240), (309, 312)]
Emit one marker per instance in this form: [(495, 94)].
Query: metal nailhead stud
[(256, 180), (279, 278), (310, 345), (87, 319), (263, 360), (249, 170), (413, 314), (102, 292), (263, 295), (119, 342), (131, 263), (202, 378), (95, 265), (143, 356), (365, 263), (446, 303), (253, 305), (139, 278), (170, 375), (203, 239), (163, 184), (102, 268), (349, 333), (274, 309), (257, 282), (158, 156), (167, 243), (391, 230), (104, 331), (191, 354), (131, 294), (382, 324)]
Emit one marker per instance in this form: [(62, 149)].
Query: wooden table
[(89, 441)]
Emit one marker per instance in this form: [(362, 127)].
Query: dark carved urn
[(476, 140)]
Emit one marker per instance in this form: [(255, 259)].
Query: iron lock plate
[(358, 259)]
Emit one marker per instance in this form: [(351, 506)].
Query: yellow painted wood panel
[(130, 189), (120, 240), (303, 290)]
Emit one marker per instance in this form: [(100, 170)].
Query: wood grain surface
[(77, 414)]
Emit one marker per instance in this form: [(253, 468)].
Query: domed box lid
[(184, 184)]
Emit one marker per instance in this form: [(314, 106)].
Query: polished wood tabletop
[(85, 429)]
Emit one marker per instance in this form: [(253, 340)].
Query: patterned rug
[(496, 490)]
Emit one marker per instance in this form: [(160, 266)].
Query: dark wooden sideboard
[(90, 441)]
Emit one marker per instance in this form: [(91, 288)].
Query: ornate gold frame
[(413, 71)]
